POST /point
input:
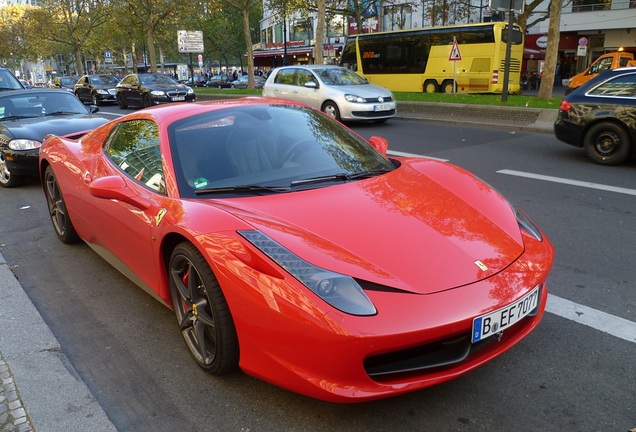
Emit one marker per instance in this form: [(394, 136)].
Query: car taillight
[(565, 106)]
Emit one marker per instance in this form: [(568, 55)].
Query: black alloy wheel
[(147, 101), (57, 209), (120, 102), (202, 311)]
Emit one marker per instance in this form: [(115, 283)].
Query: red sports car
[(290, 247)]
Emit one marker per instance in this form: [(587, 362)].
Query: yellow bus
[(417, 60)]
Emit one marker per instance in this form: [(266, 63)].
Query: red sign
[(455, 54)]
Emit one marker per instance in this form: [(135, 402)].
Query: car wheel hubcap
[(5, 175), (607, 144)]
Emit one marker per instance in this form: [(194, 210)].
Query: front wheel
[(607, 143), (202, 312), (331, 109), (7, 179), (57, 209), (120, 102), (95, 99), (147, 101)]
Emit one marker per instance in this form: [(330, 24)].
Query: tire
[(57, 209), (95, 101), (448, 86), (430, 86), (7, 179), (202, 312), (77, 95), (147, 102), (331, 109), (607, 143), (120, 103)]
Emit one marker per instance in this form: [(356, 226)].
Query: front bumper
[(368, 111)]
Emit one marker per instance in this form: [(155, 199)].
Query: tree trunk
[(552, 51), (150, 48), (320, 32), (245, 14)]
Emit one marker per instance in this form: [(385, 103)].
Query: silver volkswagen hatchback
[(337, 91)]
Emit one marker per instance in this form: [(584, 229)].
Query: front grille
[(174, 93), (376, 99)]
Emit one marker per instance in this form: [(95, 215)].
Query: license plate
[(178, 98), (383, 107), (499, 320)]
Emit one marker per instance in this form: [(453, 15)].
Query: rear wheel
[(57, 209), (607, 143), (448, 86), (430, 86), (7, 179), (202, 311), (331, 109)]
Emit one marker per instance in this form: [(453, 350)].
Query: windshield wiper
[(341, 177), (17, 117), (242, 189), (61, 112)]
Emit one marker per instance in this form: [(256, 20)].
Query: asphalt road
[(566, 376)]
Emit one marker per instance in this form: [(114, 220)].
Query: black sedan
[(26, 117), (600, 116), (220, 81), (148, 89), (96, 89)]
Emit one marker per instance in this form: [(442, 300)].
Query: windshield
[(339, 76), (39, 103), (8, 81), (156, 79), (267, 149), (104, 80)]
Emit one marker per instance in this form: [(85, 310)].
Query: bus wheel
[(448, 86), (430, 86)]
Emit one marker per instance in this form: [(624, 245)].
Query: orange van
[(605, 62)]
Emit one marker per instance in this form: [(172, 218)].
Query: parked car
[(241, 83), (148, 89), (25, 84), (8, 81), (64, 82), (257, 221), (26, 116), (96, 89), (220, 81), (337, 91), (600, 116), (199, 81)]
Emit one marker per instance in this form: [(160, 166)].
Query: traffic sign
[(455, 54), (190, 41)]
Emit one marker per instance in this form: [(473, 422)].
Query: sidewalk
[(39, 388)]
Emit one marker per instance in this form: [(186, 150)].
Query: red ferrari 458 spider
[(290, 247)]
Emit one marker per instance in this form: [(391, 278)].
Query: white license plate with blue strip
[(501, 319)]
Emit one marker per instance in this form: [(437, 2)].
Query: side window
[(134, 147), (622, 86), (285, 76), (304, 76)]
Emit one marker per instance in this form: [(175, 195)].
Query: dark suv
[(8, 81)]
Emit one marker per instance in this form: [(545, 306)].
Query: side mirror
[(114, 187), (380, 144), (311, 84)]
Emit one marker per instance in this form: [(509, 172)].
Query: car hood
[(166, 87), (423, 228), (38, 127), (362, 90), (105, 86)]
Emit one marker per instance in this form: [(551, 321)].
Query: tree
[(244, 7), (552, 51)]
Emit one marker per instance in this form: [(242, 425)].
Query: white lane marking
[(610, 324), (569, 182), (397, 153)]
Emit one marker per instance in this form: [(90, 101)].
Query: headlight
[(157, 93), (104, 92), (24, 144), (527, 225), (340, 291), (354, 98)]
